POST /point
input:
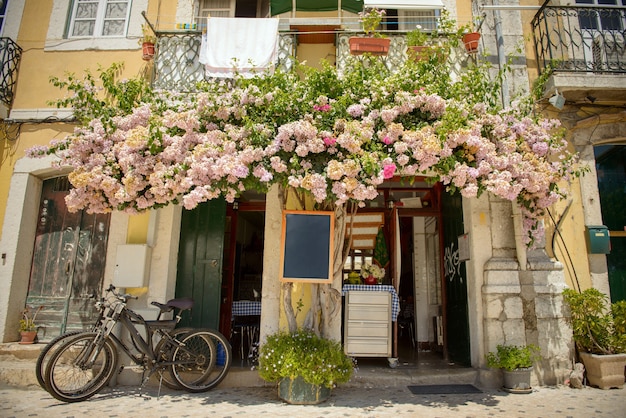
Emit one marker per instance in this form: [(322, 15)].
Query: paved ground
[(259, 402)]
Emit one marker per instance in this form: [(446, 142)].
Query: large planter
[(298, 392), (374, 46), (417, 52), (518, 380), (605, 371)]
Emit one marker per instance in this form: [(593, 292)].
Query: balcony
[(177, 66), (582, 41), (10, 55)]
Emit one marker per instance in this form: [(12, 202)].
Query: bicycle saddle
[(179, 303)]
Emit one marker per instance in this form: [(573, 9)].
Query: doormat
[(443, 389)]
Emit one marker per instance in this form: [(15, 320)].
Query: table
[(395, 301), (246, 308)]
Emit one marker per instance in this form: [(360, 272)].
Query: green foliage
[(512, 357), (370, 20), (103, 100), (29, 314), (598, 328), (318, 360)]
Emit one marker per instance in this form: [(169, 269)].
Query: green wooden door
[(457, 322), (200, 257), (67, 269)]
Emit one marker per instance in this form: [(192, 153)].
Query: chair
[(247, 326)]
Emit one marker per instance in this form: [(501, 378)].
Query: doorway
[(68, 262)]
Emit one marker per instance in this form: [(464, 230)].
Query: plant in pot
[(305, 365), (417, 43), (372, 274), (147, 42), (516, 363), (470, 37), (599, 331), (374, 42), (28, 327)]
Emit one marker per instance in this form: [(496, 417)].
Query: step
[(17, 368)]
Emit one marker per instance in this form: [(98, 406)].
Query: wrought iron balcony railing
[(177, 62), (10, 55), (580, 38)]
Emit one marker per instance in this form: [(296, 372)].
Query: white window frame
[(57, 40), (100, 17)]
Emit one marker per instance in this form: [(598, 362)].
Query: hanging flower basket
[(417, 52), (374, 46), (147, 49), (471, 41)]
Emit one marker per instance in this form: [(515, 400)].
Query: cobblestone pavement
[(344, 402)]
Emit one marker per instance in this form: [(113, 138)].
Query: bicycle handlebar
[(123, 297)]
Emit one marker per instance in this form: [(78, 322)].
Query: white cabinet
[(367, 324)]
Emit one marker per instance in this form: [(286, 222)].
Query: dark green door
[(199, 273), (611, 168), (457, 323)]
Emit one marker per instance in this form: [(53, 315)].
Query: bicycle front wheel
[(47, 352), (80, 367), (202, 361)]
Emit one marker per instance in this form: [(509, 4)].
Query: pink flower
[(387, 140), (329, 141), (321, 108), (389, 170)]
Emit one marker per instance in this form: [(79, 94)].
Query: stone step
[(17, 368)]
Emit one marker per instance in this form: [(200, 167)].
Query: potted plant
[(416, 41), (470, 38), (374, 42), (599, 331), (28, 327), (305, 365), (372, 274), (516, 363), (147, 41)]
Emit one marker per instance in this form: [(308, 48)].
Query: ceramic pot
[(470, 40), (374, 46), (298, 392), (147, 49), (370, 280), (28, 337)]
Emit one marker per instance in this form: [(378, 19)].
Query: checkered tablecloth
[(395, 301), (246, 308)]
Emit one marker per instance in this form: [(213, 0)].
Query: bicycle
[(197, 361)]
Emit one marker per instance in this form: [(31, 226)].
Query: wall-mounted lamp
[(558, 100)]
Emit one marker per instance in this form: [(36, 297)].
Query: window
[(601, 19), (95, 18), (3, 12)]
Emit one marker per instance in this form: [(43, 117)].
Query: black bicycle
[(83, 364)]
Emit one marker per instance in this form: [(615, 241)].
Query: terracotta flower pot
[(417, 52), (470, 40), (374, 46), (28, 337), (147, 49)]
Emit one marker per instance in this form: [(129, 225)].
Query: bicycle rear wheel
[(203, 360), (164, 353), (47, 352), (80, 367)]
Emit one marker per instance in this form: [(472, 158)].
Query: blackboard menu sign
[(307, 246)]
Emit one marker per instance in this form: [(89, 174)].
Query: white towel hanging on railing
[(239, 45)]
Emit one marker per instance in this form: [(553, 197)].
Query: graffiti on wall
[(452, 264)]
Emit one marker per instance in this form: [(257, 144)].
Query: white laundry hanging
[(239, 45)]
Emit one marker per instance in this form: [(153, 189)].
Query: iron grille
[(10, 55)]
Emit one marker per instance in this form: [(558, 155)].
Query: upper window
[(95, 18), (3, 12)]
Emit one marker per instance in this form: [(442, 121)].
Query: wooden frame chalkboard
[(307, 246)]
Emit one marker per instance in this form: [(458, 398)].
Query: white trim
[(56, 40), (12, 19), (405, 4), (36, 115)]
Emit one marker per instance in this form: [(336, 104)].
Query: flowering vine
[(337, 136)]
